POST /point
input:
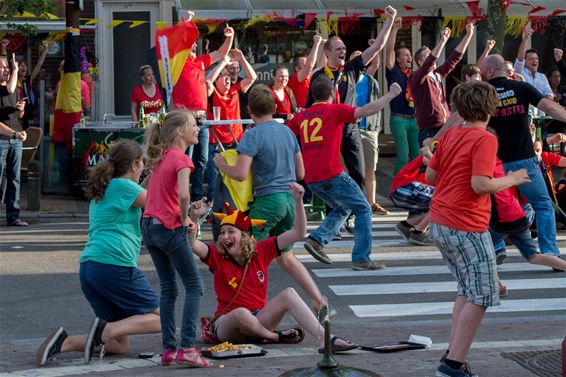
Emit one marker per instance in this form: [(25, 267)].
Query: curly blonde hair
[(247, 244)]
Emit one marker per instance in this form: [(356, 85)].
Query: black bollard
[(34, 186)]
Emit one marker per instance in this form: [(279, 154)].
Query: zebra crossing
[(418, 285), (377, 294)]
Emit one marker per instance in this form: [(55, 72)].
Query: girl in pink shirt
[(164, 228)]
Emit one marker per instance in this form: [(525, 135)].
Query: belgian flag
[(173, 45), (68, 108)]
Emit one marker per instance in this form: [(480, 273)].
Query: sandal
[(191, 358), (18, 223), (293, 336), (337, 348)]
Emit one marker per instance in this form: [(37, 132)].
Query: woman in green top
[(122, 299)]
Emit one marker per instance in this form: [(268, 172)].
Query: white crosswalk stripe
[(415, 277)]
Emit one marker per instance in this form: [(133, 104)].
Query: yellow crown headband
[(238, 219)]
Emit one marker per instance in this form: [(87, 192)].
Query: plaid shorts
[(471, 260), (415, 197)]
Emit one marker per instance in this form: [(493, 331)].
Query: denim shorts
[(117, 292), (471, 260)]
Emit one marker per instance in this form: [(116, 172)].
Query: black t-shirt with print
[(348, 80), (511, 118)]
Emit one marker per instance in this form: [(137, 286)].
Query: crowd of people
[(468, 171)]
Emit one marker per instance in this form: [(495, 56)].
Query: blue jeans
[(199, 154), (345, 197), (11, 162), (498, 238), (537, 195), (170, 252)]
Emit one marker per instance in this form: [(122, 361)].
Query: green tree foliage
[(12, 8)]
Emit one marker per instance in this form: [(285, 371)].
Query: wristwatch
[(14, 135)]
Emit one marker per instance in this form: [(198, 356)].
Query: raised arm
[(251, 76), (444, 35), (40, 61), (463, 45), (13, 80), (374, 64), (213, 74), (369, 53), (520, 61), (488, 47), (299, 229), (558, 53), (311, 59), (390, 46), (376, 106), (223, 50), (419, 75)]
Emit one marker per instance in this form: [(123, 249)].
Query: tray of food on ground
[(228, 350)]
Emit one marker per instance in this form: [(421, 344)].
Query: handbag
[(207, 323)]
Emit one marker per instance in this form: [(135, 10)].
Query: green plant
[(9, 9)]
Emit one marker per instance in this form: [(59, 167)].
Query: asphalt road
[(39, 289)]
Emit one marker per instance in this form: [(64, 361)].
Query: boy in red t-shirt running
[(462, 172), (320, 135)]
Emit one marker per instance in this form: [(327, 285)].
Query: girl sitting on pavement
[(118, 292), (244, 314), (164, 227)]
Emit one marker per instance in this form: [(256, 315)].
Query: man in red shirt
[(318, 128), (225, 95), (303, 64), (190, 93)]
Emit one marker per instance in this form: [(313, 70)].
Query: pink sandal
[(168, 356), (191, 358)]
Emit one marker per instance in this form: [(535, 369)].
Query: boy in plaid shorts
[(462, 172)]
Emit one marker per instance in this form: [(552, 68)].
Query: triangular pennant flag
[(114, 23), (136, 23), (474, 7), (309, 18), (50, 16), (26, 14), (536, 9), (557, 12), (92, 21), (408, 7)]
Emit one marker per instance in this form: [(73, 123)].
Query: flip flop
[(337, 348), (291, 337)]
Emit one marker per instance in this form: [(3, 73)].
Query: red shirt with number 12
[(320, 133)]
